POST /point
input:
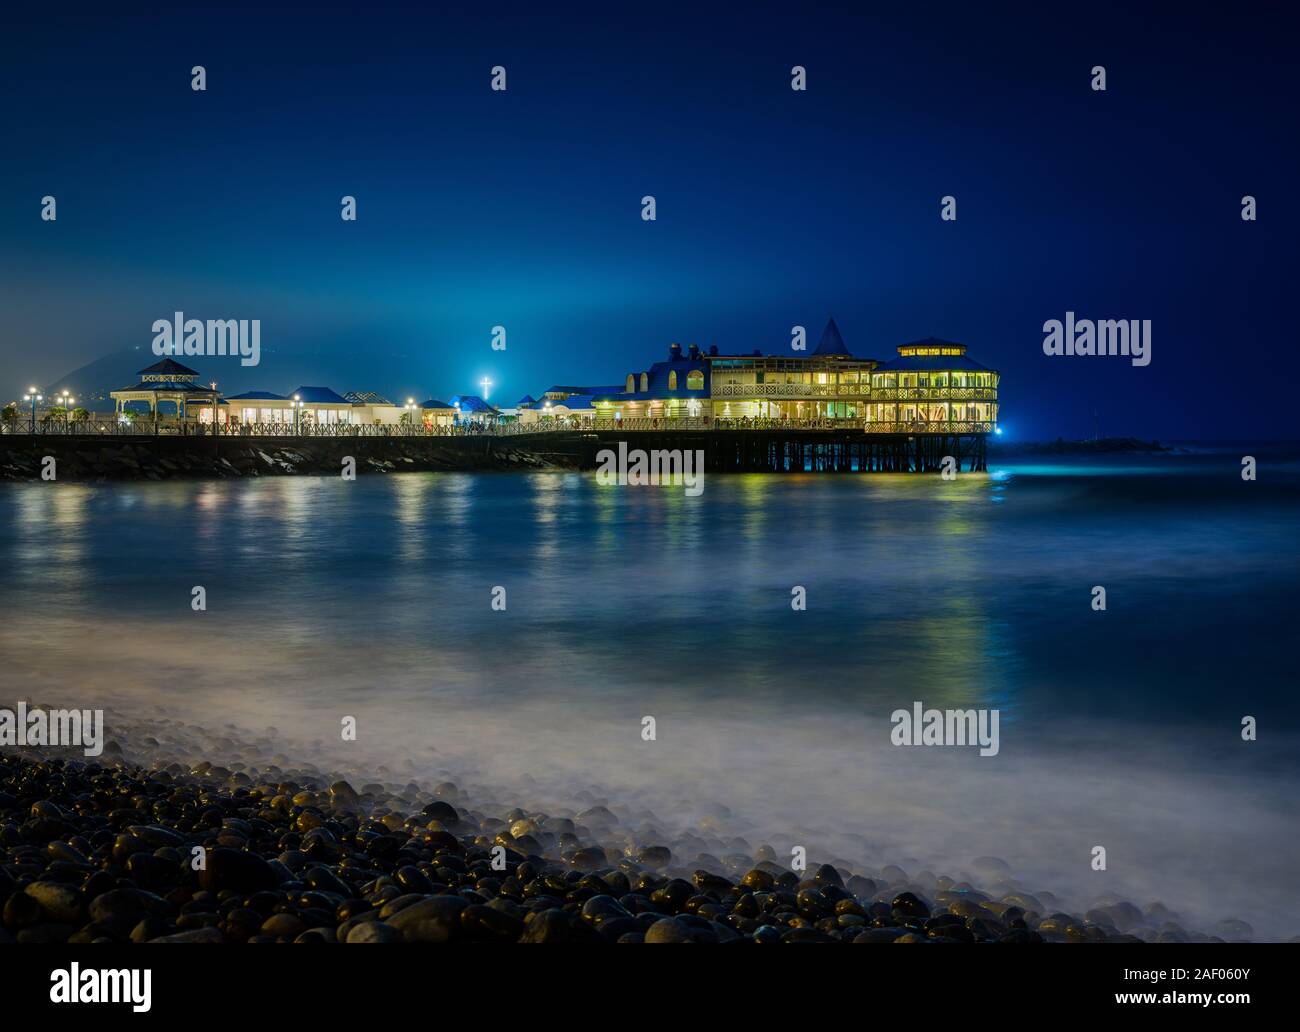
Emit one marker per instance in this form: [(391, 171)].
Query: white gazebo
[(166, 381)]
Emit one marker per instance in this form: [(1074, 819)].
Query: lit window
[(672, 380), (695, 380)]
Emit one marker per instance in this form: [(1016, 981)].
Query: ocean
[(374, 599)]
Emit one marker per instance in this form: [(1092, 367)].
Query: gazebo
[(165, 381)]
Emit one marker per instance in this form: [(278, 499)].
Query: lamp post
[(410, 407), (33, 397), (64, 399), (297, 409), (216, 430)]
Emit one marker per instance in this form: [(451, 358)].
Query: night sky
[(775, 207)]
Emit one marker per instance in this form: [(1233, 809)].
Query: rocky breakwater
[(107, 851), (165, 458)]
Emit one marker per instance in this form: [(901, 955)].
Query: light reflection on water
[(373, 596)]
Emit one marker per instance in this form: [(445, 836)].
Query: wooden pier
[(778, 451)]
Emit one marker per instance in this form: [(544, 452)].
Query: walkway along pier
[(112, 449), (796, 451)]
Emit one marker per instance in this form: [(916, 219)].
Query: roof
[(258, 396), (937, 363), (366, 398), (573, 401), (432, 404), (561, 389), (657, 380), (318, 396), (471, 403), (932, 342), (831, 343), (166, 385), (525, 401), (168, 366)]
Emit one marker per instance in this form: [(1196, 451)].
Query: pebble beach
[(134, 846)]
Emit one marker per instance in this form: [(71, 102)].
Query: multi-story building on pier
[(931, 387)]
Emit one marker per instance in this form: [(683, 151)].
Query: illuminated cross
[(486, 384)]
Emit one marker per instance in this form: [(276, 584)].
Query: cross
[(486, 384)]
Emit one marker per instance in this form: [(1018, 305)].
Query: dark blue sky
[(774, 207)]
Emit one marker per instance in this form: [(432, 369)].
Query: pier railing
[(188, 428)]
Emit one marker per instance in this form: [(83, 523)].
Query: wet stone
[(909, 905)]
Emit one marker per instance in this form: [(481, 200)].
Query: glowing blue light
[(997, 429)]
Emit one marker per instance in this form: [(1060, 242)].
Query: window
[(672, 380), (631, 384), (695, 380), (645, 382)]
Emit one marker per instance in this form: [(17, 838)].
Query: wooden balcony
[(929, 427)]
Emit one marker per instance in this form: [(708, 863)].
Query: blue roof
[(169, 366), (560, 389), (657, 382), (932, 363), (471, 403), (258, 396), (319, 396), (431, 404), (831, 343), (525, 401)]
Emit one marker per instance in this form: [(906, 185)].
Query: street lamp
[(297, 409), (33, 397), (410, 407), (66, 400)]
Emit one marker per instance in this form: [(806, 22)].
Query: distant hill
[(91, 383), (339, 364)]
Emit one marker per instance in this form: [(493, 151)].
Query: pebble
[(101, 852)]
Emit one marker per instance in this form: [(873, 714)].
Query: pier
[(166, 447)]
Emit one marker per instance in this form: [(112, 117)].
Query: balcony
[(934, 394), (750, 391), (923, 427)]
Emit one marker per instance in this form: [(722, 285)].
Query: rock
[(442, 812), (551, 926), (654, 856), (668, 930), (209, 934), (434, 919), (373, 931), (285, 926), (236, 870), (490, 923), (589, 858), (909, 905), (879, 935), (758, 880), (123, 906), (1234, 930), (412, 879), (600, 909), (60, 903)]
